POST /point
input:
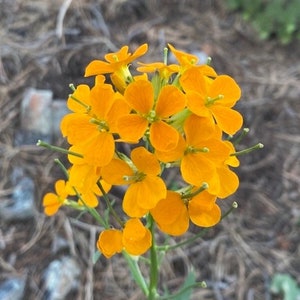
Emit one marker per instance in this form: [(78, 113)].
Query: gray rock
[(36, 117), (12, 289), (60, 278), (20, 206)]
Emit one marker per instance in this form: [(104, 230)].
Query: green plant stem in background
[(136, 272), (153, 263)]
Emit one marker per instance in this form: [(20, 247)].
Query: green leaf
[(185, 291), (96, 256), (284, 284)]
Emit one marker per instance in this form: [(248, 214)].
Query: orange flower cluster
[(171, 116)]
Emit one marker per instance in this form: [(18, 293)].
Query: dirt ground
[(47, 44)]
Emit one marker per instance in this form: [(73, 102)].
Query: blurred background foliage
[(271, 18)]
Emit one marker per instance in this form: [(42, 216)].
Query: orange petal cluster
[(131, 130)]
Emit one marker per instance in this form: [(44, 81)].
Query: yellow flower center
[(151, 116), (210, 101), (193, 150), (102, 125), (138, 176)]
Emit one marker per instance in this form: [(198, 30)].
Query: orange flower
[(110, 242), (135, 239), (83, 180), (188, 61), (199, 154), (185, 60), (213, 99), (117, 65), (91, 134), (53, 201), (145, 189), (203, 210), (140, 97), (173, 213), (165, 71)]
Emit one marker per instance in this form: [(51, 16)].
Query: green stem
[(57, 149), (248, 150), (136, 272), (244, 132), (63, 168), (203, 187), (108, 203), (153, 264), (91, 210)]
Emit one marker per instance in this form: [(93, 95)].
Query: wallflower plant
[(131, 130)]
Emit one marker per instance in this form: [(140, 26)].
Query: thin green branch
[(136, 272), (108, 203), (248, 150), (57, 149)]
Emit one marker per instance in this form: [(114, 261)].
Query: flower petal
[(174, 154), (51, 204), (141, 50), (98, 67), (171, 215), (170, 101), (229, 120), (226, 86), (140, 96), (102, 99), (110, 242), (82, 93), (60, 188), (196, 169), (163, 137), (179, 227), (196, 103), (97, 150), (76, 127), (202, 215), (115, 171), (198, 130), (130, 204), (193, 80), (132, 127), (145, 161), (137, 239), (229, 182), (143, 196)]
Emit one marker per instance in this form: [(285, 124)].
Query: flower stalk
[(130, 131)]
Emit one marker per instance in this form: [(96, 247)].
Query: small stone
[(12, 289), (36, 117), (36, 111), (60, 278), (20, 206)]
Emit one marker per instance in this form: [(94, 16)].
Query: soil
[(47, 44)]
